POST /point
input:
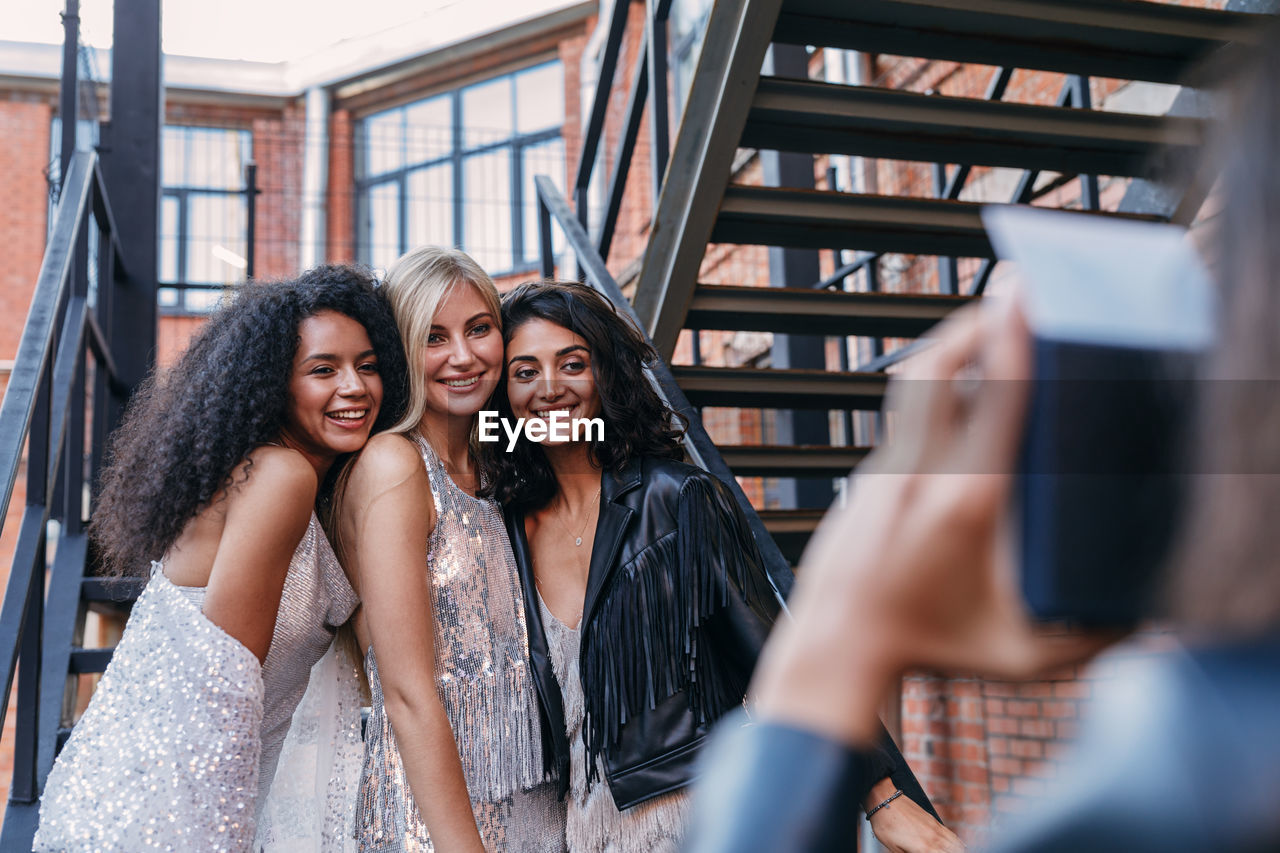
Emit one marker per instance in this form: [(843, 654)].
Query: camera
[(1121, 316)]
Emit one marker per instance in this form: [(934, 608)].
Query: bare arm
[(388, 514), (267, 515)]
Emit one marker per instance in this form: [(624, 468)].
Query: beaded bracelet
[(892, 797)]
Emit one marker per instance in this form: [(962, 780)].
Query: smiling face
[(462, 358), (334, 391), (549, 369)]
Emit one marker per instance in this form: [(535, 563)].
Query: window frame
[(519, 260), (183, 193)]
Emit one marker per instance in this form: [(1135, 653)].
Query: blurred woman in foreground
[(917, 572)]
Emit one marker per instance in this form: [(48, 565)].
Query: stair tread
[(111, 590), (821, 219), (792, 460), (817, 311), (751, 387), (816, 117), (1129, 39)]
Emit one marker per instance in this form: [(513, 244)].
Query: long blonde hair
[(417, 285)]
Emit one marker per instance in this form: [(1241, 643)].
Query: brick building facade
[(981, 748)]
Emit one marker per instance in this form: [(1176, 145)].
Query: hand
[(916, 570), (904, 827)]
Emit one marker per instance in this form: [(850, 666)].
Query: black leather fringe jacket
[(677, 608)]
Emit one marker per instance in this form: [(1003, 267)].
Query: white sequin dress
[(482, 675), (178, 746)]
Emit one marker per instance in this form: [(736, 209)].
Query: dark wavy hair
[(189, 426), (637, 422)]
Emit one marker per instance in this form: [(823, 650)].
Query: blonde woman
[(453, 757)]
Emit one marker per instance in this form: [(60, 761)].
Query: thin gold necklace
[(577, 540)]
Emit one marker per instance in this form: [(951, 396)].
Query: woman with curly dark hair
[(214, 475)]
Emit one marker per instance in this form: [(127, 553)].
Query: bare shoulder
[(388, 488), (271, 474), (387, 458)]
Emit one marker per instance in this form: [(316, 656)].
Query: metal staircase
[(732, 106)]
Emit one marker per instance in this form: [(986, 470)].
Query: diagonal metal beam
[(738, 34)]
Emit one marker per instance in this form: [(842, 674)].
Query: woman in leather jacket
[(646, 597)]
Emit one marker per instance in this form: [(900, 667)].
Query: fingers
[(1000, 408), (922, 396), (1044, 653)]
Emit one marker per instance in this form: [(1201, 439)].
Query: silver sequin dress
[(317, 599), (594, 824), (179, 742), (482, 675)]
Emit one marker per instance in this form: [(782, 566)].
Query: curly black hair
[(189, 426), (637, 421)]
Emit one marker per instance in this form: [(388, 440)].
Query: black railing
[(699, 446), (61, 411), (648, 88)]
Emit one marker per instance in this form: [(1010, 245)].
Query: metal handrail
[(701, 449), (44, 408)]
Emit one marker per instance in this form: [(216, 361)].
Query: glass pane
[(203, 301), (167, 297), (429, 206), (214, 158), (486, 190), (169, 239), (383, 142), (688, 29), (486, 113), (173, 152), (215, 239), (540, 98), (429, 130), (205, 157), (384, 224), (545, 158)]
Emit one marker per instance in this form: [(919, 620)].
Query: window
[(457, 169), (203, 216), (687, 29)]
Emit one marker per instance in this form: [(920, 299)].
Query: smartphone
[(1121, 315)]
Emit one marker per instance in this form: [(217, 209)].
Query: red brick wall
[(24, 202)]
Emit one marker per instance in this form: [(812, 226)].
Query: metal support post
[(251, 193), (659, 113), (130, 168), (69, 90), (796, 268)]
